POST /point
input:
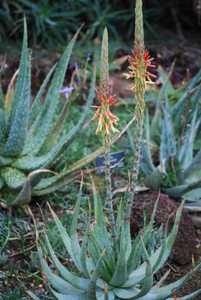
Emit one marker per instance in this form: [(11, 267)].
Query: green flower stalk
[(106, 125), (139, 62)]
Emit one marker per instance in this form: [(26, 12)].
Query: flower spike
[(140, 62), (107, 121)]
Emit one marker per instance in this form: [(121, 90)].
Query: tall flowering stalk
[(107, 122), (139, 64)]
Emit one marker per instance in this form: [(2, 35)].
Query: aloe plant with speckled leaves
[(108, 269), (32, 137), (108, 266), (171, 156)]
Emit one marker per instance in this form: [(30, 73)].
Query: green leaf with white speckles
[(1, 98), (5, 161), (37, 105), (2, 128), (33, 162), (13, 178), (1, 183), (20, 106), (46, 117)]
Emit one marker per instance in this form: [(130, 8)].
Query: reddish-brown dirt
[(186, 244)]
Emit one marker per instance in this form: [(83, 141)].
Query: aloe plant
[(170, 160), (108, 269), (32, 137)]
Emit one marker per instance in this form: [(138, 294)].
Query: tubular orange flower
[(139, 66), (107, 121)]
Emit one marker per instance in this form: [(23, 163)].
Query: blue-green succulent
[(32, 133)]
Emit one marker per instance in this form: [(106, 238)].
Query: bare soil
[(187, 245)]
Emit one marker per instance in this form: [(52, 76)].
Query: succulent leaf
[(5, 161), (179, 169), (101, 295), (57, 282), (166, 291), (185, 155), (147, 164), (120, 273), (177, 191), (94, 276), (128, 293), (1, 99), (168, 143), (31, 162), (24, 196), (154, 180), (34, 297), (47, 114), (20, 105), (54, 135), (67, 242), (37, 106), (69, 297), (193, 197), (80, 283), (191, 88), (192, 172), (13, 177), (1, 183), (147, 282), (100, 234), (188, 297), (2, 128), (169, 241)]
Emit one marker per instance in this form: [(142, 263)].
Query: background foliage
[(53, 22)]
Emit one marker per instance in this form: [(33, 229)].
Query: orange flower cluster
[(107, 121), (139, 66)]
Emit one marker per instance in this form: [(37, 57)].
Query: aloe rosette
[(108, 269), (170, 160), (32, 136)]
